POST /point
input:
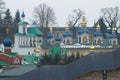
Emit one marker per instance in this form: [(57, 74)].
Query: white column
[(32, 41), (28, 41), (18, 40), (25, 41)]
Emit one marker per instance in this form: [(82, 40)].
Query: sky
[(63, 8)]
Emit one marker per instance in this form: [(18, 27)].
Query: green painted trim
[(23, 23)]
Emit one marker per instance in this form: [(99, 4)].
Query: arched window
[(114, 41), (16, 61), (85, 39), (68, 41), (53, 41), (99, 41)]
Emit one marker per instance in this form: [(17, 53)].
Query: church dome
[(57, 39), (37, 50), (23, 15), (83, 30), (7, 42), (50, 35), (98, 34), (67, 34), (113, 35)]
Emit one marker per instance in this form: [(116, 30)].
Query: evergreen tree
[(8, 21), (8, 24), (103, 27), (16, 20)]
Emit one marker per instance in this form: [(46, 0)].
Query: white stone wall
[(20, 29), (16, 44)]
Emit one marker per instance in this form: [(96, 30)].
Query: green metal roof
[(28, 34), (31, 59), (23, 23), (35, 30), (3, 63), (13, 54)]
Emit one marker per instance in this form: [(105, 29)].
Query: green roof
[(3, 63), (55, 50), (13, 54), (23, 23), (35, 30), (31, 59), (28, 34)]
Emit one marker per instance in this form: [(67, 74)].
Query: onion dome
[(50, 35), (66, 27), (113, 30), (34, 23), (92, 47), (67, 34), (83, 23), (98, 27), (113, 35), (36, 50), (51, 29), (57, 39), (83, 31), (23, 15), (7, 42), (98, 32)]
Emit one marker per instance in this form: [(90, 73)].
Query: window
[(68, 41), (99, 41), (53, 41), (85, 39), (40, 41), (114, 41), (16, 61)]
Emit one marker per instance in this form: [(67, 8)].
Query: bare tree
[(45, 15), (111, 16), (74, 19)]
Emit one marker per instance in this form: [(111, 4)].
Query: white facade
[(26, 41)]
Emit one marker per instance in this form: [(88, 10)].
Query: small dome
[(57, 39), (113, 35), (83, 30), (37, 50), (98, 34), (83, 23), (34, 23), (7, 42), (98, 27), (92, 48), (67, 34), (23, 15), (50, 35)]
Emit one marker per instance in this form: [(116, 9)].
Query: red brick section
[(7, 50), (97, 75)]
